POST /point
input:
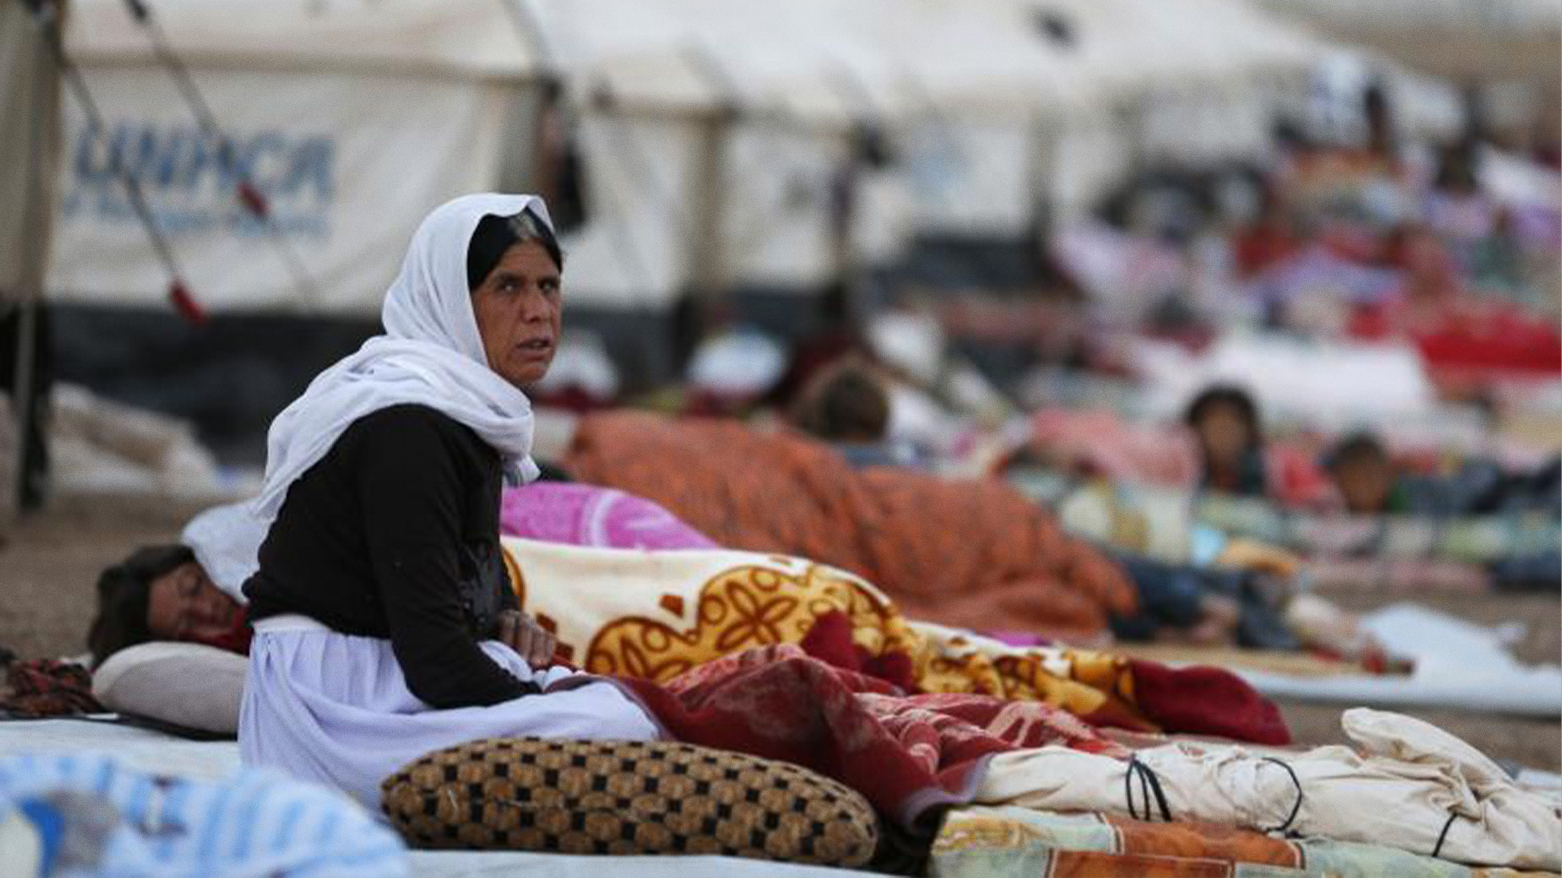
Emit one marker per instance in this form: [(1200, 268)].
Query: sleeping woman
[(385, 625), (192, 590)]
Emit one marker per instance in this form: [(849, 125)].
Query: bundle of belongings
[(1405, 800)]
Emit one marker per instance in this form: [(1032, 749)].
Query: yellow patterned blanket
[(654, 615)]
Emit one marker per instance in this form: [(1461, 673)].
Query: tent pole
[(843, 203), (22, 397), (31, 291), (707, 268), (1046, 131)]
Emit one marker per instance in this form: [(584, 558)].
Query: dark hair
[(124, 592), (496, 234), (846, 402), (1357, 448), (1218, 395)]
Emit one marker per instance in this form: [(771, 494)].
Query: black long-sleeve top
[(394, 533)]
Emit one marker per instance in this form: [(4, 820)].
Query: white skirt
[(334, 708)]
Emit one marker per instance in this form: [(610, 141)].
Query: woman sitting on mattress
[(385, 625)]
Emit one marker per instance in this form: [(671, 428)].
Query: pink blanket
[(586, 515)]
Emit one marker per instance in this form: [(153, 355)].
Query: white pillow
[(186, 684)]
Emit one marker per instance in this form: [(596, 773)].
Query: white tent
[(29, 152), (1463, 39), (1195, 79), (683, 101), (353, 117), (1507, 51), (989, 112), (716, 134)]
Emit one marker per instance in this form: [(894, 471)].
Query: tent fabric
[(321, 105), (474, 39), (349, 162), (29, 151), (1498, 17)]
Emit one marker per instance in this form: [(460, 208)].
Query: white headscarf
[(431, 354), (226, 542)]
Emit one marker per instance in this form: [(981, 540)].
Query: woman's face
[(183, 604), (520, 310)]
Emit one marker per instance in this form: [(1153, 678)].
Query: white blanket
[(1457, 664)]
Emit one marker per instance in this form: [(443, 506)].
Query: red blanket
[(905, 754)]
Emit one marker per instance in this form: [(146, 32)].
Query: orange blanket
[(974, 554)]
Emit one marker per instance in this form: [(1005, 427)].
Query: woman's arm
[(414, 483)]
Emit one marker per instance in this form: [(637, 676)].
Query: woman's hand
[(521, 633)]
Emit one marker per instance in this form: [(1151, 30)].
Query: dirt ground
[(50, 562)]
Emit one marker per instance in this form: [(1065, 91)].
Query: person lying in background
[(1225, 423), (192, 591), (846, 404), (847, 407), (163, 593), (1370, 482), (189, 591), (1367, 480)]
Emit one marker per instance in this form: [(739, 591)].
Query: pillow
[(627, 797), (188, 685)]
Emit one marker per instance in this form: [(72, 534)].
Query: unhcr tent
[(352, 119), (711, 132)]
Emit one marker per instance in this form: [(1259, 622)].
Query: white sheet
[(1458, 664), (141, 749)]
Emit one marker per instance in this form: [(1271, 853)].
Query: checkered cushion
[(627, 797)]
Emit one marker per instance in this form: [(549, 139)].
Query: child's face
[(1223, 433), (1365, 484)]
